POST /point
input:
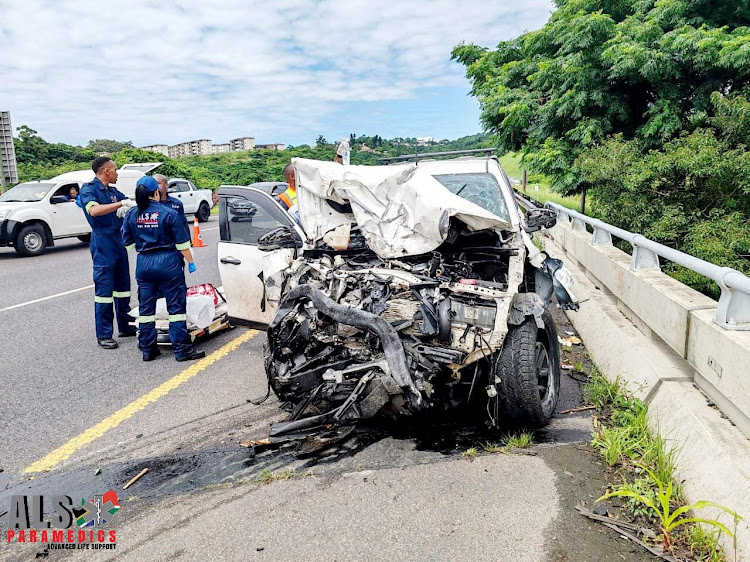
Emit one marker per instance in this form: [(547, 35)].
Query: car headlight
[(4, 214)]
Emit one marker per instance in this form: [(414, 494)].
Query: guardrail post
[(601, 237), (578, 224), (643, 258), (733, 309)]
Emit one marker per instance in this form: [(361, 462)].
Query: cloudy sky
[(159, 71)]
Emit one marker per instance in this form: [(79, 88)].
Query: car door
[(244, 215), (67, 218)]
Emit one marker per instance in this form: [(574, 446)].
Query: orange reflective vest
[(289, 197)]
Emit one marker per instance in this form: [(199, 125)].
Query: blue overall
[(176, 204), (157, 234), (111, 272)]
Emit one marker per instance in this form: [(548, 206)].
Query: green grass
[(266, 477), (215, 210), (470, 453), (646, 464), (538, 186), (510, 441)]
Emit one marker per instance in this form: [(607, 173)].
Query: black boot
[(152, 354), (193, 355), (107, 343)]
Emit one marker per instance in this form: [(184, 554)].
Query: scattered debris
[(620, 526), (139, 436), (570, 341), (566, 366), (135, 479), (98, 472), (579, 409)]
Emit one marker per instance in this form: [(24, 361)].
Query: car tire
[(31, 241), (86, 238), (204, 212), (529, 373)]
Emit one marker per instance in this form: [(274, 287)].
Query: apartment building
[(160, 148), (241, 144), (8, 165), (206, 146), (191, 148)]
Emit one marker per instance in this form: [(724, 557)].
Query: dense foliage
[(642, 102)]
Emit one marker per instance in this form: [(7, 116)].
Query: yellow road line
[(66, 451)]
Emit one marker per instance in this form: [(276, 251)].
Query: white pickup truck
[(35, 214), (196, 201)]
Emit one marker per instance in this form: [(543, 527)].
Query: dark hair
[(99, 162), (288, 168), (142, 197)]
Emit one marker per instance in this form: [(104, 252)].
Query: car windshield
[(481, 189), (26, 192)]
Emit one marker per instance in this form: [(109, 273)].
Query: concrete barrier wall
[(664, 308)]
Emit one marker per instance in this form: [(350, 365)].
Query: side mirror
[(539, 218), (58, 199), (282, 237)]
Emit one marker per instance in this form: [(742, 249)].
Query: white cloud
[(152, 71)]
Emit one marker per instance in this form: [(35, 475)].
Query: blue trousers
[(160, 273), (111, 283)]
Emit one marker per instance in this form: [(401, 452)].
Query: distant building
[(241, 144), (8, 164), (206, 146), (160, 148), (423, 141), (191, 148), (365, 148)]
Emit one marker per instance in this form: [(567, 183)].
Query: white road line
[(207, 229), (46, 298)]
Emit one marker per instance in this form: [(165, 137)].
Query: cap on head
[(149, 183)]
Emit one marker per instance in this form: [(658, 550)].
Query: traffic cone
[(197, 240)]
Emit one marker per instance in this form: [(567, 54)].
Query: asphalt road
[(57, 381), (403, 493)]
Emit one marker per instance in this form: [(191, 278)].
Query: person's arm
[(181, 238), (187, 254), (127, 235), (94, 209)]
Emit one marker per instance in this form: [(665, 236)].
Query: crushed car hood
[(400, 211)]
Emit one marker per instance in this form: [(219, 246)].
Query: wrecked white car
[(405, 288)]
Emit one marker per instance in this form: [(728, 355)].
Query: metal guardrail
[(733, 308)]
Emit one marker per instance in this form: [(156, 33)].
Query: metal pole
[(583, 202)]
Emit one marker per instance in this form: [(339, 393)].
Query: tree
[(320, 141), (640, 68), (108, 145)]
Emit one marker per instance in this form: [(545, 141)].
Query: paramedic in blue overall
[(104, 207), (176, 204), (159, 237)]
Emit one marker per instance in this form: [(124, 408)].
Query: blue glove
[(191, 267)]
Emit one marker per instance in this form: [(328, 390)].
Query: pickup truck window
[(246, 220), (179, 186), (27, 192)]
